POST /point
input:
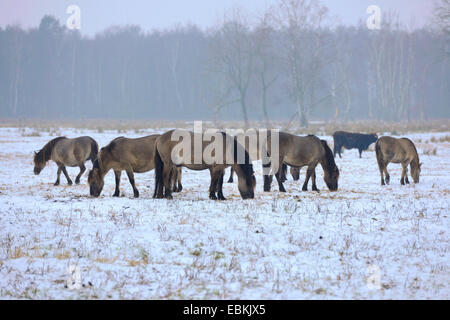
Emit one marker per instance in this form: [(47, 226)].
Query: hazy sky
[(150, 14)]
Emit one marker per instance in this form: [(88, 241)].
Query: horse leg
[(174, 179), (308, 175), (404, 173), (386, 174), (360, 152), (220, 186), (381, 174), (213, 185), (313, 179), (167, 175), (67, 175), (230, 179), (283, 172), (337, 149), (130, 175), (117, 174), (279, 177), (58, 174), (267, 177), (82, 170), (180, 186)]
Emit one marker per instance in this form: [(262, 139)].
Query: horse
[(66, 152), (164, 163), (403, 150), (132, 155), (308, 151)]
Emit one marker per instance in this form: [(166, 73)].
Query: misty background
[(292, 60)]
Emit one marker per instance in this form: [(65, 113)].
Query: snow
[(294, 245)]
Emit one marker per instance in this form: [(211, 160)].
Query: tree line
[(289, 64)]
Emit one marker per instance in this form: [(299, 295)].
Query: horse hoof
[(136, 194), (116, 194), (304, 189), (69, 183), (56, 184), (77, 181), (169, 197)]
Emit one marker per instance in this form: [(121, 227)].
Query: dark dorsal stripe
[(96, 164)]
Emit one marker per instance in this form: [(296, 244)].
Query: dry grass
[(316, 127)]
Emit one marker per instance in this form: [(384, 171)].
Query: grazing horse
[(164, 163), (132, 155), (308, 151), (403, 150), (66, 152)]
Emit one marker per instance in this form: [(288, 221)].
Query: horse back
[(138, 153), (396, 150), (300, 151), (73, 152)]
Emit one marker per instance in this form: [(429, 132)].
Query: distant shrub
[(430, 151)]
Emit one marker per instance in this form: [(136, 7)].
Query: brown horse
[(403, 150), (308, 151), (66, 152), (164, 163), (132, 155)]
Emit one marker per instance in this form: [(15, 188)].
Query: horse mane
[(111, 145), (45, 153), (247, 166), (329, 158), (415, 150)]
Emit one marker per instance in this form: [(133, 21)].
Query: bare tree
[(441, 15), (266, 61), (233, 55), (301, 21), (391, 66)]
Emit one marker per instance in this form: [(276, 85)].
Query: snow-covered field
[(59, 243)]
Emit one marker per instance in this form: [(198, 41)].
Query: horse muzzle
[(247, 195)]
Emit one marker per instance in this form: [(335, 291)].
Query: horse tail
[(379, 154), (159, 166), (94, 151)]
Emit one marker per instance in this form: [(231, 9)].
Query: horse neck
[(240, 170), (327, 164), (103, 163), (47, 151), (415, 160)]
